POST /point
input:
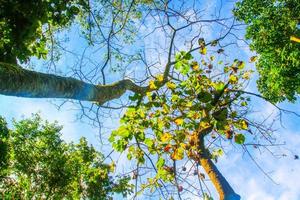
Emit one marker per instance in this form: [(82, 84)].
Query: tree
[(22, 27), (175, 114), (38, 164), (271, 26), (176, 123)]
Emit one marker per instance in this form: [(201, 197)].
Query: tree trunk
[(222, 186), (17, 81)]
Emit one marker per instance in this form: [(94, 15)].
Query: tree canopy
[(271, 27), (23, 25), (171, 70), (37, 164)]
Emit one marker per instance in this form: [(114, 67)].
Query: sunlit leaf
[(253, 59), (166, 137), (171, 85), (178, 154), (152, 85), (179, 121), (203, 50), (233, 79)]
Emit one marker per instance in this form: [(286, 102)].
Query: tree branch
[(20, 82)]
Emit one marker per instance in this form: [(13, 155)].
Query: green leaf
[(160, 163), (219, 86), (244, 103), (149, 142), (239, 138)]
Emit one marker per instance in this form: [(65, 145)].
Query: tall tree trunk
[(223, 188), (17, 81)]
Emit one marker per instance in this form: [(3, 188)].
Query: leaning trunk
[(17, 81), (222, 186)]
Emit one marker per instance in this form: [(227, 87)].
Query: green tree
[(270, 27), (23, 25), (181, 106), (37, 164)]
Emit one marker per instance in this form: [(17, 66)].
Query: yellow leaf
[(189, 104), (212, 58), (178, 154), (246, 75), (193, 139), (203, 50), (149, 94), (204, 113), (196, 115), (152, 85), (241, 65), (179, 121), (244, 125), (204, 125), (171, 85), (166, 109), (233, 79), (112, 167), (195, 65), (160, 78), (166, 137), (183, 145), (295, 39)]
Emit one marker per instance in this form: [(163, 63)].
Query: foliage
[(27, 28), (3, 146), (270, 25), (40, 165), (172, 122)]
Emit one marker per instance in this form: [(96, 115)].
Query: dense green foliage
[(25, 27), (270, 25), (37, 164)]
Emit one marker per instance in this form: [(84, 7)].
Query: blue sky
[(246, 178)]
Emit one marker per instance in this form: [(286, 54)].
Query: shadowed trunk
[(16, 81)]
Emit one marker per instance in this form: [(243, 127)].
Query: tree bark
[(20, 82), (222, 186)]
